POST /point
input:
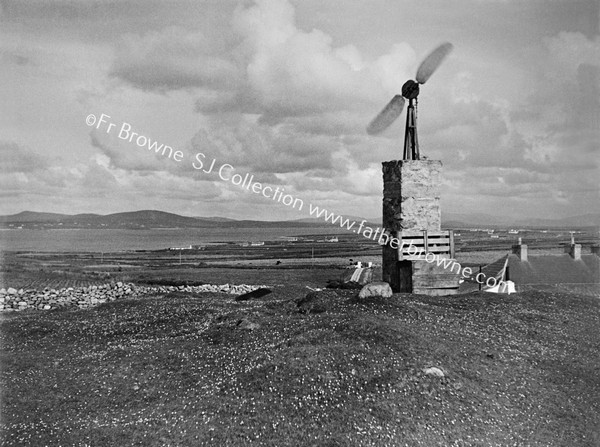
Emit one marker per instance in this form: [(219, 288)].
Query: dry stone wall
[(82, 297)]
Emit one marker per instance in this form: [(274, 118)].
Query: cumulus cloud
[(171, 59), (271, 68)]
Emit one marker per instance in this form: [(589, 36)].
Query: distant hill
[(162, 219), (153, 219), (586, 220), (215, 219), (138, 220), (134, 219), (32, 216), (455, 220)]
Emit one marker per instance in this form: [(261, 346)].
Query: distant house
[(181, 248)]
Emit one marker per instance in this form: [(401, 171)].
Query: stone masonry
[(411, 201), (411, 195)]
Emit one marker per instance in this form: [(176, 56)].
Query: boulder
[(433, 371), (258, 293), (248, 325), (381, 289)]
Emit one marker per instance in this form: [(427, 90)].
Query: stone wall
[(82, 297), (411, 195), (411, 201)]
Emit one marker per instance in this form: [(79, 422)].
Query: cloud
[(268, 67), (245, 143), (14, 158), (171, 59), (14, 57), (292, 73), (287, 99)]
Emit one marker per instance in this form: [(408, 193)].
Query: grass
[(186, 369)]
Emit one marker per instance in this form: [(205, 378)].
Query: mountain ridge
[(164, 219)]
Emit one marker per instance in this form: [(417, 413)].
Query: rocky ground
[(300, 368)]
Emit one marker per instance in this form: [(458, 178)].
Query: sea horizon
[(113, 240)]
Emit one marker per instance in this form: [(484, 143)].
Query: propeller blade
[(387, 116), (431, 63)]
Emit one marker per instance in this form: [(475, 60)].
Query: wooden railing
[(418, 243)]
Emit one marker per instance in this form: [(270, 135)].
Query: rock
[(11, 291), (248, 325), (47, 307), (433, 371), (258, 293), (381, 289)]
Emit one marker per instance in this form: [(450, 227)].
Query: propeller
[(387, 116), (410, 90), (431, 63)]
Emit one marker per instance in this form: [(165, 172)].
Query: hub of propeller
[(410, 89)]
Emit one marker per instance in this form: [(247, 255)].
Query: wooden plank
[(430, 241), (422, 267), (408, 242), (452, 244), (435, 251), (407, 246), (435, 281), (411, 258), (419, 233)]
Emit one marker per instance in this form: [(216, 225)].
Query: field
[(295, 367), (311, 261)]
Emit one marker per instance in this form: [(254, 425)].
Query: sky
[(282, 90)]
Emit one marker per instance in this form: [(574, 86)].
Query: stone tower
[(412, 214)]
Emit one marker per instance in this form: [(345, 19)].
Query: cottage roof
[(548, 270)]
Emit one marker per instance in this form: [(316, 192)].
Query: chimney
[(573, 249), (520, 250)]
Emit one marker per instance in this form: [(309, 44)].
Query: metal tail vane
[(410, 91)]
